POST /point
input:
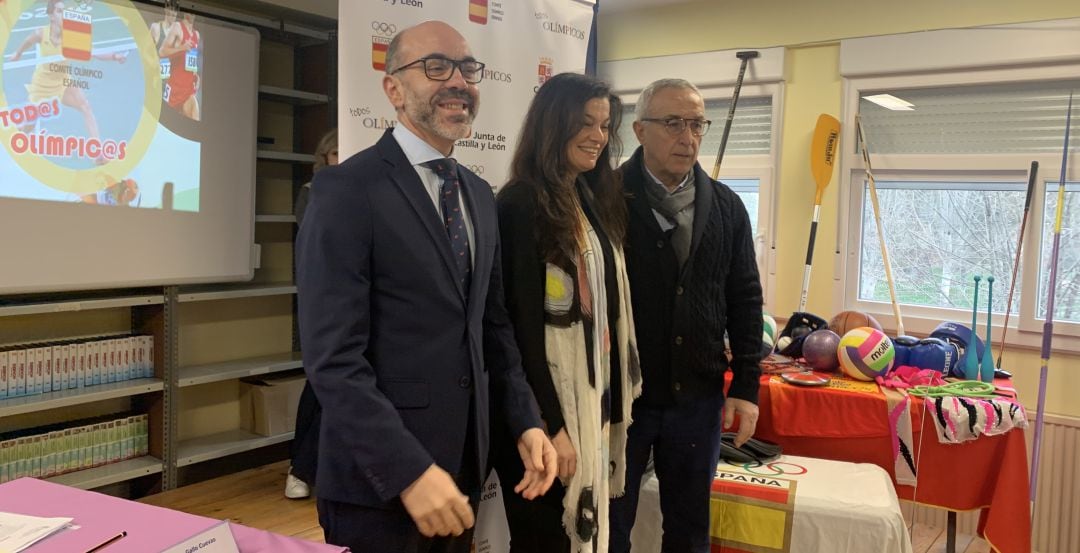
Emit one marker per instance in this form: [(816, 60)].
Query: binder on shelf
[(49, 384), (39, 369), (85, 447), (101, 371), (124, 356), (3, 374), (20, 377), (7, 460), (70, 352), (35, 454), (82, 364), (109, 354)]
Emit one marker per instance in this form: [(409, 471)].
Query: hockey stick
[(822, 155), (880, 229), (1048, 324), (1016, 262), (745, 56)]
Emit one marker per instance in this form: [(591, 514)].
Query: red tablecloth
[(989, 473)]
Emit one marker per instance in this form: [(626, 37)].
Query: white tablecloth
[(815, 505)]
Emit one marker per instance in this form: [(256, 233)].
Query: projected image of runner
[(180, 64), (80, 96)]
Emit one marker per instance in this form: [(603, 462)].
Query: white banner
[(521, 43)]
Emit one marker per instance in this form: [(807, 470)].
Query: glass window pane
[(747, 189), (1017, 118), (751, 129), (941, 234), (1067, 289)]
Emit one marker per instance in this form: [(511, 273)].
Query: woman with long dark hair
[(562, 222)]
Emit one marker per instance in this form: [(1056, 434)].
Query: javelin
[(1048, 324)]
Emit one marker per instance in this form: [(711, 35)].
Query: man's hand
[(748, 415), (436, 505), (541, 463), (567, 457)]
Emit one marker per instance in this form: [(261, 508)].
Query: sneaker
[(296, 488)]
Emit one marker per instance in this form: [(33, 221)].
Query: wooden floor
[(256, 498), (253, 498)]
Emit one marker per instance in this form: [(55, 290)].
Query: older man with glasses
[(693, 277), (407, 342)]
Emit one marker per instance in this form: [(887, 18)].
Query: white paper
[(18, 532), (216, 539)]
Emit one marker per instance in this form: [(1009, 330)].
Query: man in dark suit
[(693, 276), (406, 338)]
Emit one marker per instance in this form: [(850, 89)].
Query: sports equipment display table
[(148, 528), (794, 504)]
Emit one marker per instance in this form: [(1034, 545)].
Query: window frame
[(1025, 330)]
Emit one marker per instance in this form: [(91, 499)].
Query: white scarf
[(601, 449)]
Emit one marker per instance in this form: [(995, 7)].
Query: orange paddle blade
[(823, 152)]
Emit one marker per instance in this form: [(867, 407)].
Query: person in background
[(326, 154), (693, 276), (407, 342), (160, 29), (181, 47), (305, 445), (562, 221)]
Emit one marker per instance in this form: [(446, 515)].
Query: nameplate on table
[(216, 539)]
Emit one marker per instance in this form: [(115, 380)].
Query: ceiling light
[(888, 101)]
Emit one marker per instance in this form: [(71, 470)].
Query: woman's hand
[(567, 456)]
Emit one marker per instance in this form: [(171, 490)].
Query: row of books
[(37, 369), (53, 450)]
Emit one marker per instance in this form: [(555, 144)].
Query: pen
[(107, 542)]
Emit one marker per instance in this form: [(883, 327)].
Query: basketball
[(819, 350), (768, 330), (845, 321), (865, 353)]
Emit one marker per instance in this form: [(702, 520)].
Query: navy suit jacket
[(391, 345)]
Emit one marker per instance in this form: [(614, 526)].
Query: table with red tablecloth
[(989, 473)]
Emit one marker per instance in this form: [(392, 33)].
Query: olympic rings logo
[(778, 468), (478, 169), (387, 29)]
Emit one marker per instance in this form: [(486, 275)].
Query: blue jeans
[(685, 443)]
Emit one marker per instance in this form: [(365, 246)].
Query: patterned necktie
[(449, 199)]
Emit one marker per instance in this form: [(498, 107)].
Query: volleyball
[(865, 353)]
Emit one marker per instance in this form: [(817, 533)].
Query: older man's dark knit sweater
[(681, 316)]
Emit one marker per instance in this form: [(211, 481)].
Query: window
[(951, 176), (749, 192), (941, 234), (1067, 293)]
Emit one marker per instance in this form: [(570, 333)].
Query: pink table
[(148, 528)]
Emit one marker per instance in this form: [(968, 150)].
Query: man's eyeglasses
[(677, 125), (441, 69)]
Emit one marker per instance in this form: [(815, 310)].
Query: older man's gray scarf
[(673, 206)]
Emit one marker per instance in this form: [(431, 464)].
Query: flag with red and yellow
[(76, 38), (478, 11)]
